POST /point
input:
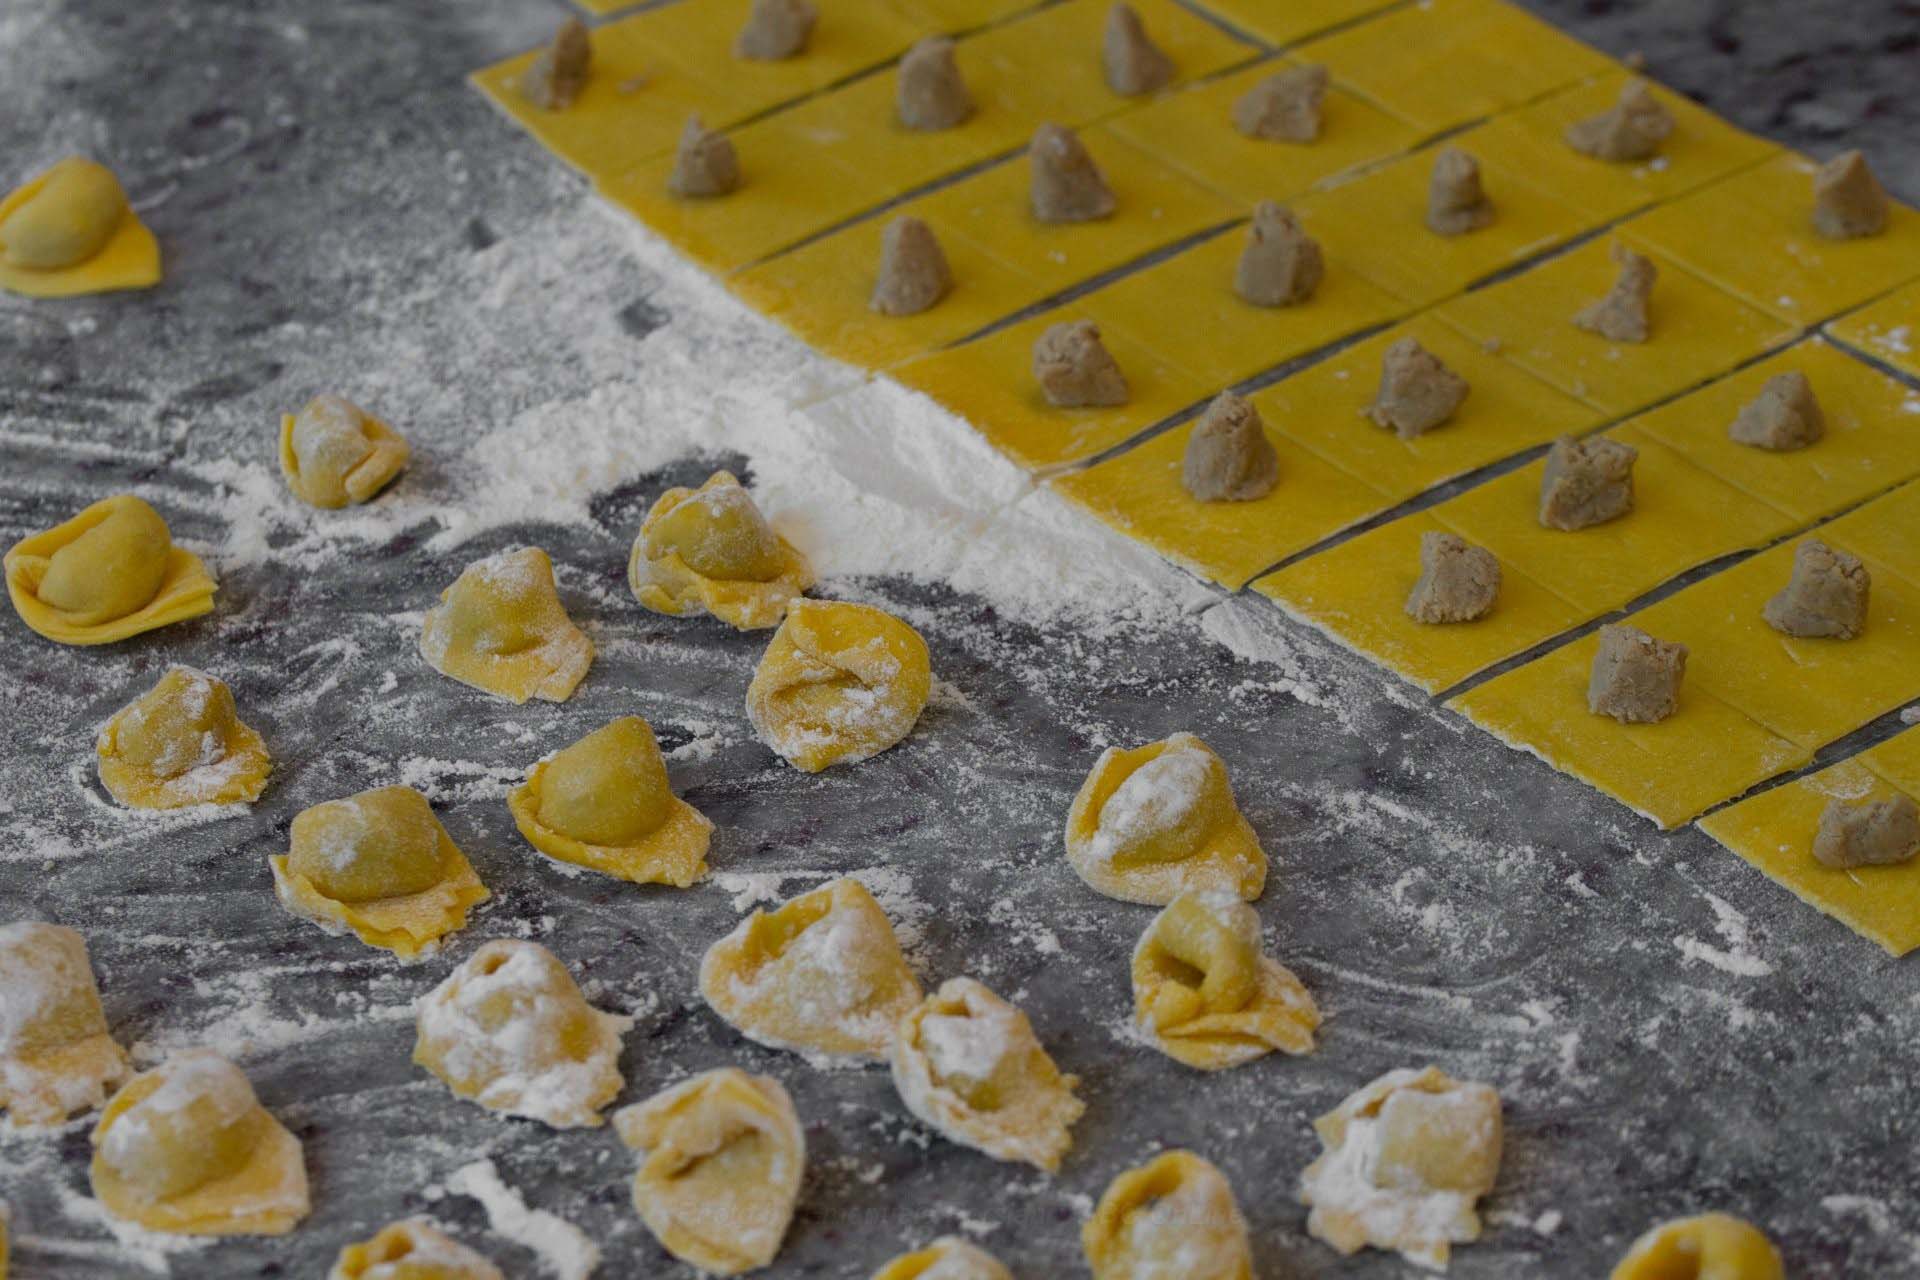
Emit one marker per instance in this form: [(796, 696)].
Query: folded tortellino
[(948, 1258), (70, 231), (1713, 1246), (56, 1056), (411, 1250), (839, 683), (110, 572), (1406, 1158), (822, 974), (334, 453), (510, 1030), (1153, 821), (182, 743), (187, 1148), (605, 803), (967, 1063), (378, 863), (501, 628), (1204, 995), (721, 1157), (709, 550), (1173, 1216)]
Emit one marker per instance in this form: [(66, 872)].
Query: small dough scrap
[(1457, 202), (722, 1156), (1067, 184), (555, 78), (1134, 64), (1458, 581), (510, 1030), (1631, 130), (1229, 458), (182, 743), (1826, 595), (705, 164), (1875, 833), (710, 550), (914, 274), (776, 30), (70, 231), (1848, 201), (967, 1063), (1417, 391), (838, 684), (1157, 820), (1586, 482), (1282, 265), (821, 974), (56, 1055), (605, 803), (412, 1249), (1285, 106), (1635, 678), (1406, 1158), (1173, 1216), (380, 864), (110, 572), (1204, 995), (948, 1258), (930, 94), (1623, 315), (1074, 368), (502, 629), (1713, 1246), (334, 453), (187, 1149), (1784, 416)]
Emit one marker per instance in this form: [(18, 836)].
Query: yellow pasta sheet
[(1889, 330), (1886, 531), (1284, 23), (850, 37)]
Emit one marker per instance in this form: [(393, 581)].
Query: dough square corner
[(959, 15), (1885, 532), (1296, 20), (1887, 330), (851, 36)]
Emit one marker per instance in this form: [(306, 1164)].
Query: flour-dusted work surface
[(337, 211)]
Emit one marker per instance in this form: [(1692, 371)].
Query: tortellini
[(967, 1063), (411, 1250), (822, 974), (510, 1030), (334, 453), (1173, 1216), (70, 231), (56, 1056), (378, 863), (187, 1148), (182, 743), (721, 1156), (110, 572), (502, 629), (605, 803), (839, 683), (1713, 1246), (1153, 821), (709, 550), (1204, 995), (948, 1258), (1406, 1158)]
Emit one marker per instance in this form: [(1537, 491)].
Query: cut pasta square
[(1284, 24), (1888, 330)]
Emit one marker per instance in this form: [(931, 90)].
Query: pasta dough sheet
[(960, 15), (1283, 24), (1887, 531), (1889, 330), (851, 36)]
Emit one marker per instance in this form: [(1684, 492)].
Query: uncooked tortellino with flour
[(1153, 821), (822, 974), (56, 1056), (70, 231), (967, 1062), (1713, 1246), (721, 1156), (605, 803), (501, 628), (1406, 1158), (378, 863), (411, 1250), (1173, 1216), (1203, 994), (510, 1030), (182, 743), (110, 572), (839, 683), (709, 550), (334, 453), (948, 1258), (187, 1148)]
